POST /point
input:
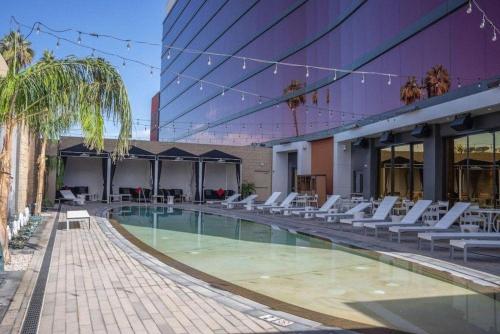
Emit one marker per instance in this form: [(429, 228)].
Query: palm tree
[(437, 81), (16, 50), (294, 102), (77, 91), (410, 91)]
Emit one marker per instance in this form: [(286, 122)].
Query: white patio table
[(490, 215), (77, 215)]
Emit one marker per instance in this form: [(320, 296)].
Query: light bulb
[(124, 64), (244, 64), (93, 53), (128, 46), (389, 81), (335, 75), (260, 100), (494, 38), (79, 38), (151, 71), (209, 61), (223, 92), (38, 29), (483, 21), (242, 97), (363, 79), (178, 79), (307, 71), (58, 43), (469, 8), (201, 85), (168, 54), (275, 69)]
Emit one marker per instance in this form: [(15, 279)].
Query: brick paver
[(95, 287)]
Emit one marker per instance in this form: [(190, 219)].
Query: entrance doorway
[(292, 172)]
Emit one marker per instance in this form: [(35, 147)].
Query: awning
[(138, 153), (177, 154), (219, 156), (81, 150)]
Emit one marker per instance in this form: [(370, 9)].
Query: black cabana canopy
[(175, 153), (81, 150), (138, 153), (219, 156)]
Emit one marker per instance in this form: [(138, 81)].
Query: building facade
[(405, 38)]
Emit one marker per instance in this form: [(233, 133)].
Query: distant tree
[(296, 101), (410, 91), (437, 81)]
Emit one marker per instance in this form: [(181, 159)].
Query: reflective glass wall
[(401, 171), (305, 32), (475, 173)]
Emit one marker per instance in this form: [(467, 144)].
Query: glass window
[(401, 171), (474, 169), (385, 157)]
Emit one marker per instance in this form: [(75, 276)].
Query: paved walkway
[(95, 287)]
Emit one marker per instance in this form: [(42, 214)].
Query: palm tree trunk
[(294, 111), (5, 178), (41, 177)]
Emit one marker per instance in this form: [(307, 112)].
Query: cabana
[(176, 173), (84, 171), (134, 174), (218, 170)]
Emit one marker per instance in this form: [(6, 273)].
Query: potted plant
[(247, 188)]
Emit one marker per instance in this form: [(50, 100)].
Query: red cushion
[(220, 192)]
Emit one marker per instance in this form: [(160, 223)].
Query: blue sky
[(139, 20)]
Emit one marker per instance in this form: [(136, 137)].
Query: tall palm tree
[(294, 102), (78, 91), (16, 50), (410, 91), (437, 81)]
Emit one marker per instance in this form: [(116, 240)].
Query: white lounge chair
[(435, 236), (381, 214), (230, 199), (69, 196), (410, 218), (245, 201), (271, 200), (284, 204), (466, 244), (309, 212), (442, 225), (334, 216)]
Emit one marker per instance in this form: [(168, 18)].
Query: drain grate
[(30, 323)]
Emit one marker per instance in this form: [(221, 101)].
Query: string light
[(201, 85), (38, 29), (363, 79), (79, 41), (93, 53), (260, 99), (124, 64), (209, 62), (178, 79), (151, 71), (58, 43), (275, 69), (307, 71), (483, 21), (494, 38), (335, 75), (389, 81), (222, 94), (129, 46), (244, 66), (242, 97), (168, 54), (469, 8)]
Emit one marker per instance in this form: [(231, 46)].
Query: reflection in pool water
[(311, 273)]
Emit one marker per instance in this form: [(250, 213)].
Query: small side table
[(113, 196), (170, 200)]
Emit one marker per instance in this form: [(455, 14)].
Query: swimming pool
[(311, 273)]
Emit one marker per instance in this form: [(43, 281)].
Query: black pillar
[(434, 162)]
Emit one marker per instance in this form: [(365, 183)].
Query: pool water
[(311, 273)]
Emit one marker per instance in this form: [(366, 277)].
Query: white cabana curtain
[(178, 175), (132, 174), (84, 172), (220, 175)]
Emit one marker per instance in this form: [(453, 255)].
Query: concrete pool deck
[(100, 282)]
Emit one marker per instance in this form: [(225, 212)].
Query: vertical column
[(200, 181), (342, 173), (434, 165), (108, 179), (155, 178)]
